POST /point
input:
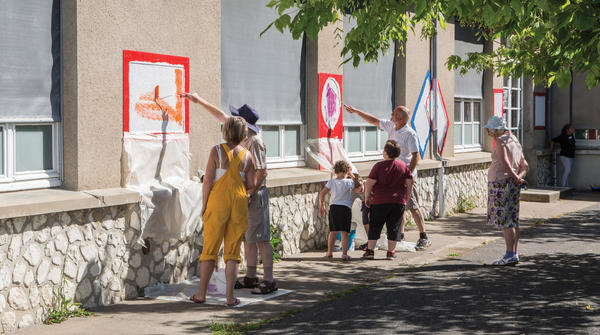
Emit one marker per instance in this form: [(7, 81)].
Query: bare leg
[(371, 244), (367, 230), (266, 254), (392, 245), (345, 242), (251, 251), (419, 220), (516, 240), (331, 242), (231, 270), (206, 270), (509, 238)]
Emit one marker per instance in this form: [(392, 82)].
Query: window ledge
[(295, 176), (468, 158), (304, 175), (46, 201)]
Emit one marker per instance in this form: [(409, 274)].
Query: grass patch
[(239, 328), (453, 254), (275, 243), (464, 204), (336, 295), (64, 308), (538, 223)]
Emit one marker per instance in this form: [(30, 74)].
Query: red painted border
[(545, 111), (130, 56), (338, 130), (440, 149)]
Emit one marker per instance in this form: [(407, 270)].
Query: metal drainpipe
[(549, 130), (441, 200)]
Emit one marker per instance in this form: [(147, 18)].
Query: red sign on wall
[(330, 106), (152, 84)]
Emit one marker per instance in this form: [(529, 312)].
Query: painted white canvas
[(331, 102), (442, 119), (145, 115), (498, 97), (420, 120)]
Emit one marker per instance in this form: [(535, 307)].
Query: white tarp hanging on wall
[(158, 168)]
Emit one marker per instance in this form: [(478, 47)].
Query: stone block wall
[(294, 208), (466, 182), (295, 213), (92, 254), (544, 172)]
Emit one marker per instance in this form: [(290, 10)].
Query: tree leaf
[(563, 78)]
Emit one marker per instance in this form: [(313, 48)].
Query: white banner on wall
[(421, 122)]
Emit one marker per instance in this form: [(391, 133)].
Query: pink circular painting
[(331, 104)]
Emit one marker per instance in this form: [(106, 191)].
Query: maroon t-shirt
[(393, 178)]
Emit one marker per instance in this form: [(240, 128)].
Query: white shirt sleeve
[(386, 125), (412, 142), (328, 185)]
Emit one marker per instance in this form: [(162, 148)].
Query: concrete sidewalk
[(311, 276)]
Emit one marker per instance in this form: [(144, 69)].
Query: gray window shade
[(471, 84), (30, 64), (586, 104), (368, 87), (265, 72)]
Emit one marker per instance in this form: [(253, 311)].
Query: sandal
[(346, 258), (246, 283), (390, 255), (328, 256), (265, 287), (369, 254), (234, 303), (196, 300)]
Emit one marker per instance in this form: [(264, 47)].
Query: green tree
[(542, 39)]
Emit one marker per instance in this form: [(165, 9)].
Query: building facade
[(67, 218)]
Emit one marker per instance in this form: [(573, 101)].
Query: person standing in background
[(567, 151)]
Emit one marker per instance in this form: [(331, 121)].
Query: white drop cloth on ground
[(182, 291)]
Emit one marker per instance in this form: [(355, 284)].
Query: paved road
[(554, 290)]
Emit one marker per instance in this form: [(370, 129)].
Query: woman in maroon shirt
[(386, 192)]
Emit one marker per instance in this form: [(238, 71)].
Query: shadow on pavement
[(547, 293)]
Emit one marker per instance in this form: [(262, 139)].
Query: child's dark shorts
[(340, 218)]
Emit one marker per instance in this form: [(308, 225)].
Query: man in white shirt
[(397, 129)]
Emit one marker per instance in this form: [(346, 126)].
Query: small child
[(340, 208)]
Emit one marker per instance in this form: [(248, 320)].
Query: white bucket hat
[(496, 122)]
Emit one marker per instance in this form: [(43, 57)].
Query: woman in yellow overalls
[(230, 173)]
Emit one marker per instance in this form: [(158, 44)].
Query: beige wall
[(95, 35), (490, 82), (416, 64), (410, 73), (322, 56)]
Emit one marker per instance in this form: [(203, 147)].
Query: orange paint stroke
[(151, 107), (179, 90)]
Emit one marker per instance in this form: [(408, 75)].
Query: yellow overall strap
[(231, 159)]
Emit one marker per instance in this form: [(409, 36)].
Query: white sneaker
[(507, 261)]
